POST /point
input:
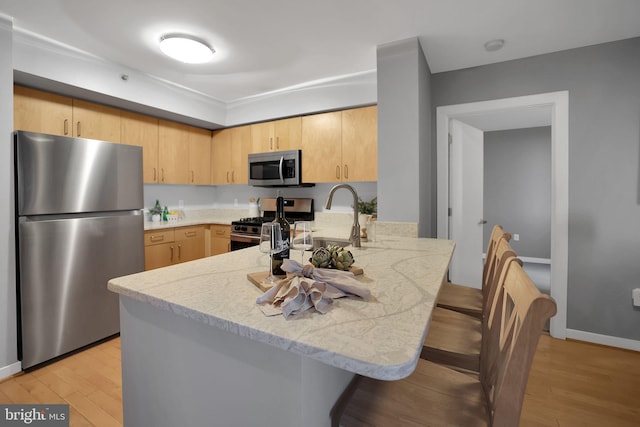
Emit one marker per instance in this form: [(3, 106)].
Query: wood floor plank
[(76, 419), (78, 382), (4, 398), (92, 412), (109, 403), (17, 393), (40, 391), (574, 383)]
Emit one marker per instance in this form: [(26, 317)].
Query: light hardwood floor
[(571, 384)]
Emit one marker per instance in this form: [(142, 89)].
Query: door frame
[(559, 105)]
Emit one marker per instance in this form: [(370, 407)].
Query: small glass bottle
[(165, 214), (284, 225)]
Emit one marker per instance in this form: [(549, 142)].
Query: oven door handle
[(244, 238), (280, 169)]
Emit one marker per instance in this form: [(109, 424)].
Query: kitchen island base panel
[(179, 372)]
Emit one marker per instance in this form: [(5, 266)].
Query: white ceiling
[(264, 46)]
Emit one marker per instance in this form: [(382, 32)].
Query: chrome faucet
[(355, 228)]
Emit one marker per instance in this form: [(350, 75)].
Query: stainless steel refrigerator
[(78, 223)]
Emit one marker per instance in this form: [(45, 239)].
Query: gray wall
[(604, 139), (404, 130), (517, 187)]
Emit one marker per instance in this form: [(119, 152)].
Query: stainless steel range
[(246, 231)]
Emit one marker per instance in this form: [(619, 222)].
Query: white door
[(466, 160)]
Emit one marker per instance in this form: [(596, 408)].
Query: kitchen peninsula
[(196, 350)]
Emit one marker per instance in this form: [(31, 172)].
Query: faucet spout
[(355, 228)]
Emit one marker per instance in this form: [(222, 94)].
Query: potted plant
[(368, 208), (366, 211)]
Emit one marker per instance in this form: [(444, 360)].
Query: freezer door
[(64, 268), (59, 175)]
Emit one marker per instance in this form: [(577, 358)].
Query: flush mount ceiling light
[(493, 45), (185, 48)]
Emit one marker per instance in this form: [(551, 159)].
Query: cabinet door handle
[(66, 126), (220, 232), (277, 142), (159, 238), (155, 174), (189, 234), (162, 170), (179, 252), (271, 143), (346, 172), (233, 176), (171, 248), (192, 176), (338, 172), (228, 178), (78, 129)]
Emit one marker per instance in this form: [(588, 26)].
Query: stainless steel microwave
[(276, 169)]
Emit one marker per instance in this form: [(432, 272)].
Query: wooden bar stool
[(435, 395), (466, 299), (455, 339)]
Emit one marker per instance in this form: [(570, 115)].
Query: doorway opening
[(519, 112)]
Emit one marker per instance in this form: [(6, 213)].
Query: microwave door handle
[(280, 169)]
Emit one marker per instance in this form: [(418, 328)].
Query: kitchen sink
[(325, 241)]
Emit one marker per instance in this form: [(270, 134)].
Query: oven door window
[(243, 241)]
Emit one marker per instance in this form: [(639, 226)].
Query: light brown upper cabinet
[(277, 135), (360, 144), (173, 153), (322, 147), (340, 146), (199, 156), (44, 112), (39, 111), (95, 121), (136, 129), (221, 157), (229, 152)]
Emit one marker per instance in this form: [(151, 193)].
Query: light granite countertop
[(199, 217), (380, 338)]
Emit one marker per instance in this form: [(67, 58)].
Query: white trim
[(532, 260), (559, 103), (7, 371), (604, 339)]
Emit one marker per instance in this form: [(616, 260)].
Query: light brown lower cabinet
[(220, 240), (173, 246)]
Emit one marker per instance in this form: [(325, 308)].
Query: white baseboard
[(7, 371), (604, 339), (535, 260)]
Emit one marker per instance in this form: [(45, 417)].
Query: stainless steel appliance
[(246, 231), (79, 224), (276, 169)]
